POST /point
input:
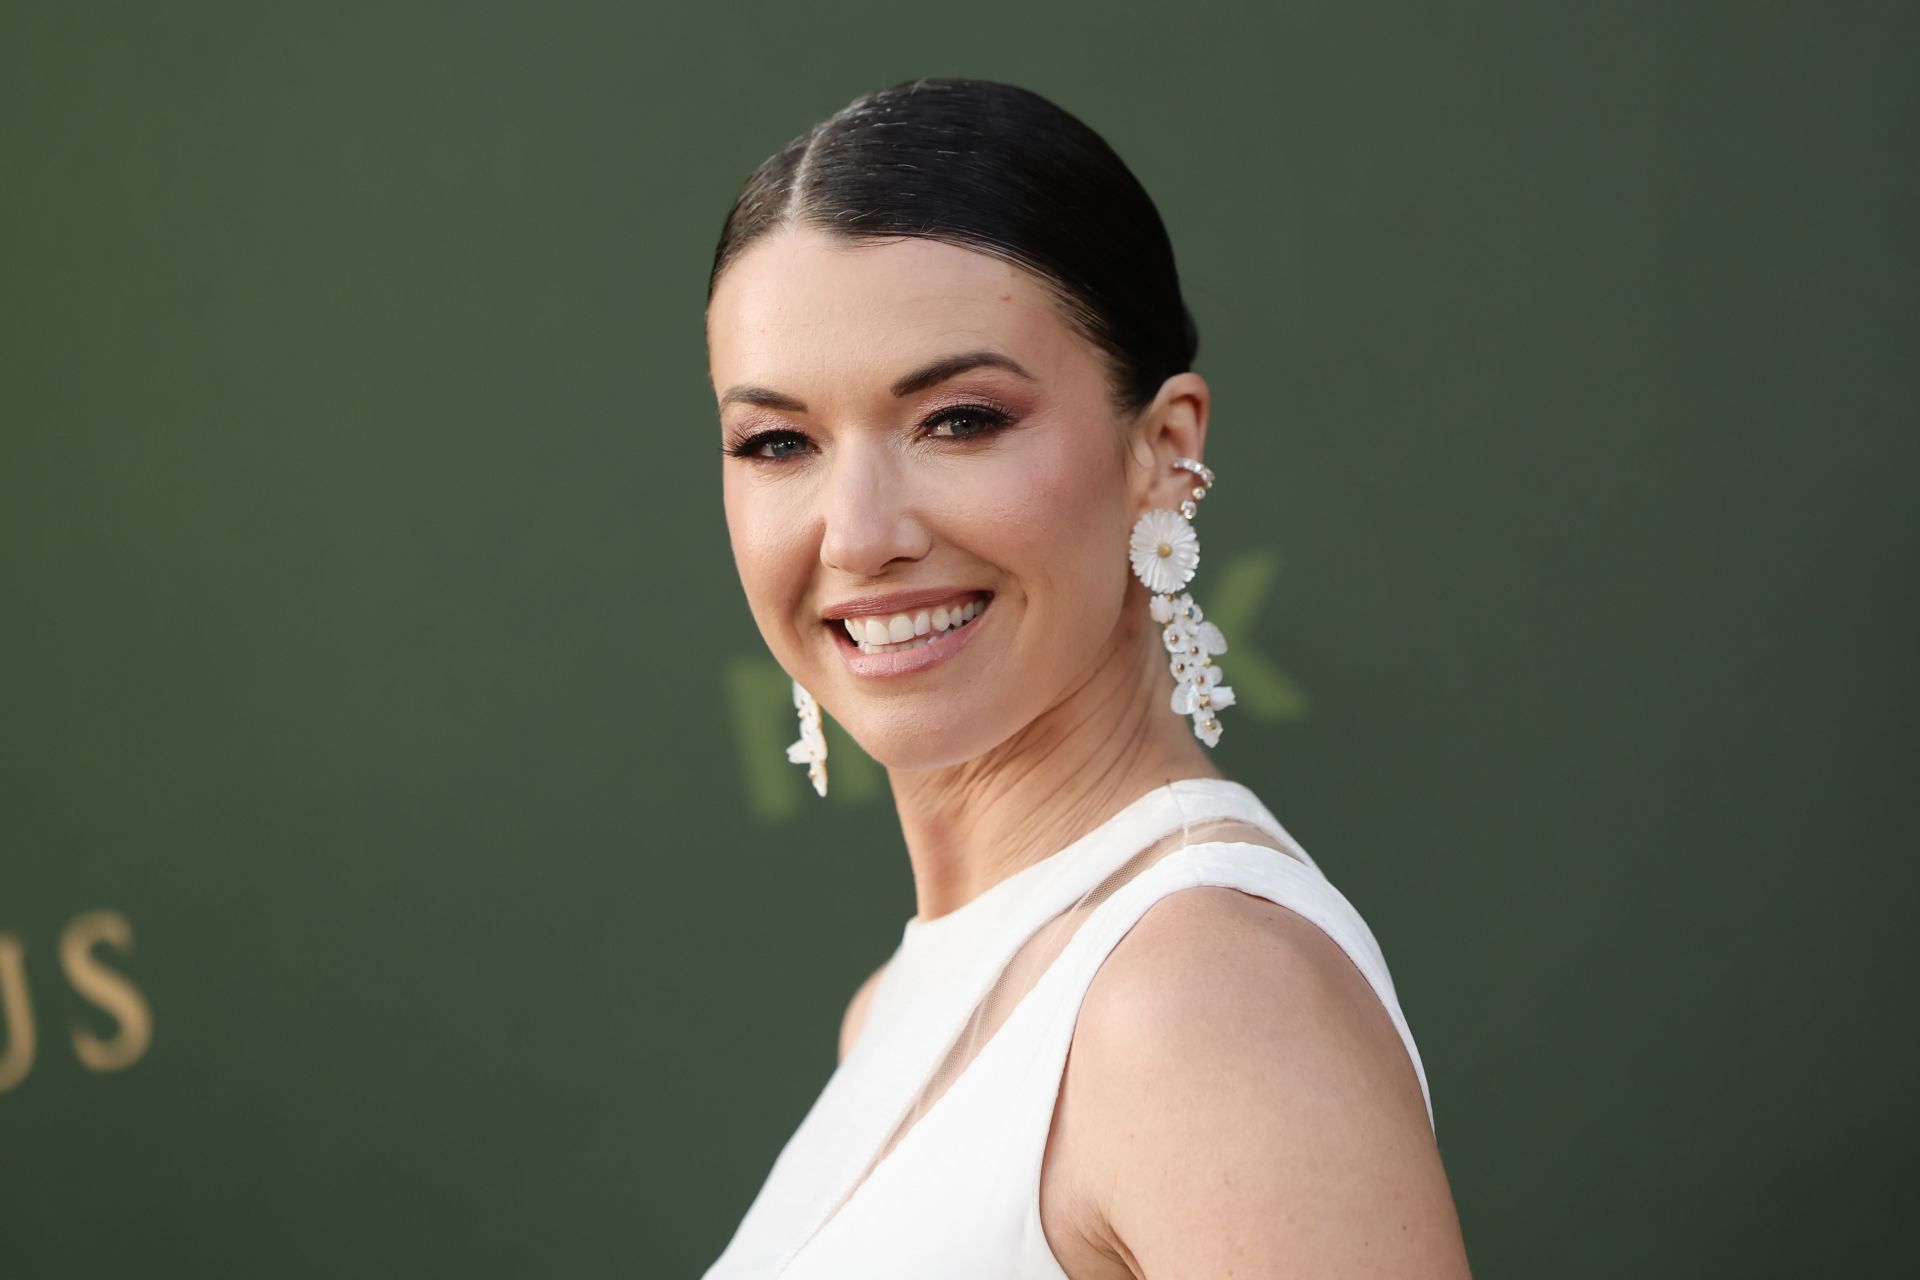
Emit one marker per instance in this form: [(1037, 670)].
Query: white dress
[(922, 1155)]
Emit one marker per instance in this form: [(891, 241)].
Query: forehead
[(800, 307)]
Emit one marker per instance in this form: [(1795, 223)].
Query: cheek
[(1057, 523), (764, 535)]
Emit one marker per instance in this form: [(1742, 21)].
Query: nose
[(869, 513)]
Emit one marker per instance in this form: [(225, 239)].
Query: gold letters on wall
[(17, 1060), (111, 991)]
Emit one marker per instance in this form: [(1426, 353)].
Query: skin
[(1053, 717)]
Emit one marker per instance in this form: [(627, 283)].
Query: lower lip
[(904, 662)]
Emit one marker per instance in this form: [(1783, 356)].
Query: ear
[(1173, 426)]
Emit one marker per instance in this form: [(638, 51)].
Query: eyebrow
[(919, 380)]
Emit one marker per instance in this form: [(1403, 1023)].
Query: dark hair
[(995, 168)]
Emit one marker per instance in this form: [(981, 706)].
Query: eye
[(970, 422), (771, 441)]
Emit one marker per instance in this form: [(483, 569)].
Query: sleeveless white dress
[(922, 1155)]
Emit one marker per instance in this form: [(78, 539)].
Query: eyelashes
[(749, 447), (990, 421)]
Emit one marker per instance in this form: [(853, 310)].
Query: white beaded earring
[(811, 749), (1165, 551)]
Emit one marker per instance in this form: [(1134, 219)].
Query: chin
[(919, 746)]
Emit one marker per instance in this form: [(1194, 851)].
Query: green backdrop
[(399, 871)]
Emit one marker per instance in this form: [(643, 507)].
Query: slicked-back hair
[(998, 169)]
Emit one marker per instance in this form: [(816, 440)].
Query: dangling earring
[(1164, 551), (811, 749)]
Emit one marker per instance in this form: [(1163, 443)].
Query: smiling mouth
[(931, 626)]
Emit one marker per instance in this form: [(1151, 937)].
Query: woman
[(1132, 1029)]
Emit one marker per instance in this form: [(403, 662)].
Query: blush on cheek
[(767, 548), (776, 576)]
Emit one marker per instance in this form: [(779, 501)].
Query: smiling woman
[(1132, 1029)]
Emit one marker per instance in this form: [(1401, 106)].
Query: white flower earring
[(811, 749), (1165, 551)]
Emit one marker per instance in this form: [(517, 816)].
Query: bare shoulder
[(1243, 1105), (856, 1015)]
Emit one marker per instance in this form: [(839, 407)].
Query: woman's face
[(1006, 481)]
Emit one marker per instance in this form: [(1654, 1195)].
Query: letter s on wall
[(107, 989)]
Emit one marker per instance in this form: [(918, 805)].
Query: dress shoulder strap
[(1288, 881)]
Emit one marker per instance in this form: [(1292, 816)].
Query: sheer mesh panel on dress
[(1032, 958)]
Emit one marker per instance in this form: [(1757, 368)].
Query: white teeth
[(904, 631)]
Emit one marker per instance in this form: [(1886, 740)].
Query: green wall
[(399, 871)]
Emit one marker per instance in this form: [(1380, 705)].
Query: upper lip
[(896, 602)]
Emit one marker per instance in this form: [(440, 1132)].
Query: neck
[(1111, 739)]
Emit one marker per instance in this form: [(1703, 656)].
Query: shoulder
[(1214, 982), (1248, 1106), (856, 1015)]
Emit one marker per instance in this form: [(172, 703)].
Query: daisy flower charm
[(1164, 550)]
